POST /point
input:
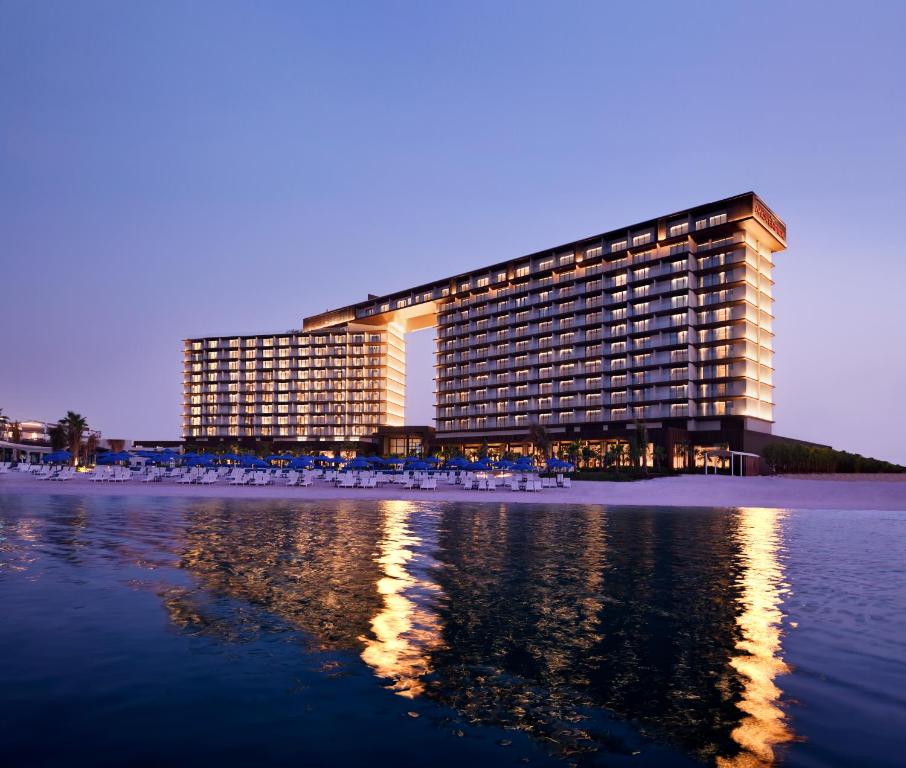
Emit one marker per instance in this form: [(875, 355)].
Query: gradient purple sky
[(181, 169)]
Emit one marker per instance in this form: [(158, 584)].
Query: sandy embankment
[(859, 492)]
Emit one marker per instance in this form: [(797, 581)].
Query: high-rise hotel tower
[(668, 322)]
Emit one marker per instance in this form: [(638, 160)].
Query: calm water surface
[(169, 631)]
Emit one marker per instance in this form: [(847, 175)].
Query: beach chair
[(240, 478), (492, 484), (187, 478), (261, 478), (305, 480), (514, 483), (428, 484), (347, 481), (209, 477), (567, 483)]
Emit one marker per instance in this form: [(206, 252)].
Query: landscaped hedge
[(792, 458)]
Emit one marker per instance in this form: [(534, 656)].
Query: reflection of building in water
[(310, 567), (538, 618), (759, 661), (406, 629), (521, 619), (547, 612)]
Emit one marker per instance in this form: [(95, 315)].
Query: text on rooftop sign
[(769, 219)]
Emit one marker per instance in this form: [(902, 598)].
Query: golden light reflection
[(406, 630), (759, 662)]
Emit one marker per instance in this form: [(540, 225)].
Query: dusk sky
[(170, 170)]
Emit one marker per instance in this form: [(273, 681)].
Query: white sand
[(858, 492)]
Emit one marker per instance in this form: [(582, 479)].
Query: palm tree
[(614, 455), (638, 445), (573, 452), (73, 426), (538, 436)]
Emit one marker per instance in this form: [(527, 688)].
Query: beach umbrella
[(112, 458), (302, 462), (504, 464), (358, 463), (57, 456), (229, 457), (431, 460)]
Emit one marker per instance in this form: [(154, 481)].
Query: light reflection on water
[(593, 630), (405, 630), (759, 662)]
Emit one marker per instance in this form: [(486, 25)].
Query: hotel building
[(668, 322)]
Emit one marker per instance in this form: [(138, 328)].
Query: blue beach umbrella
[(57, 456)]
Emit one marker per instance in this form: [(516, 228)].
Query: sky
[(171, 169)]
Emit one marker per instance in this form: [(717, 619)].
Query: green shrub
[(791, 458)]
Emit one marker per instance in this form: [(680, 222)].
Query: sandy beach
[(858, 492)]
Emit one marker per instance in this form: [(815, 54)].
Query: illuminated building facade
[(668, 322), (336, 384)]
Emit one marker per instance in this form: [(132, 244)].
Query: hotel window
[(720, 218), (593, 253), (482, 282), (501, 276), (679, 229), (642, 239), (546, 264), (617, 245), (566, 258), (522, 271)]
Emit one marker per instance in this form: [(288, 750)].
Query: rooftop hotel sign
[(767, 218)]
